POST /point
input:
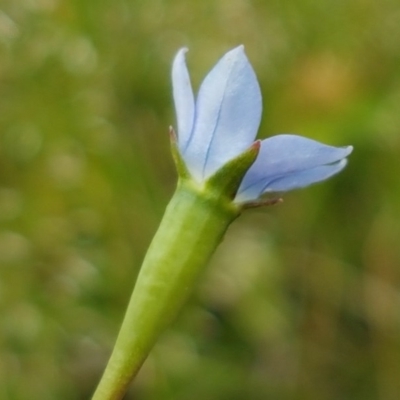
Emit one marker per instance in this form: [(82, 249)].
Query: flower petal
[(285, 156), (304, 178), (227, 117), (183, 98)]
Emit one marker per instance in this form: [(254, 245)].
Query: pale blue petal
[(227, 117), (183, 98), (292, 181), (304, 178), (285, 156)]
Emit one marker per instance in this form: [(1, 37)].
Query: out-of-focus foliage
[(302, 299)]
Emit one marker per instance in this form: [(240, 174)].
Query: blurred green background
[(301, 301)]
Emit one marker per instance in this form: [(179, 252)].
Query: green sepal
[(261, 203), (226, 181), (180, 164)]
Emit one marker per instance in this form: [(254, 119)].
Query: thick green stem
[(192, 227)]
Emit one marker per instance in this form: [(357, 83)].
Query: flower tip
[(349, 150), (181, 53), (180, 57), (342, 163), (256, 145), (172, 134), (237, 50)]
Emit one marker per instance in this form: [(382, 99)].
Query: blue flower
[(223, 122)]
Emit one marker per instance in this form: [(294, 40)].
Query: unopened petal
[(183, 98), (228, 114), (285, 156)]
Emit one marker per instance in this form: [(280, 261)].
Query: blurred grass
[(300, 302)]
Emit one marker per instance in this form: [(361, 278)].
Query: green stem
[(192, 227)]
